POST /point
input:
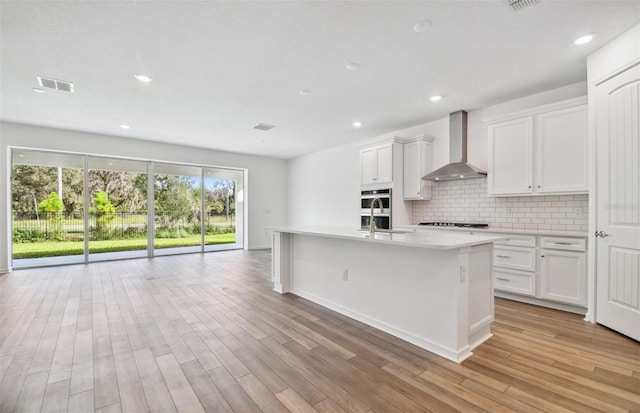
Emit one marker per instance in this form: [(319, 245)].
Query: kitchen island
[(430, 288)]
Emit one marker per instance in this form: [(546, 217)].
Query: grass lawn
[(57, 249)]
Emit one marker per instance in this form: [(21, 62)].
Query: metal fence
[(31, 227)]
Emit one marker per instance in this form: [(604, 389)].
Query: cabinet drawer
[(557, 243), (517, 282), (518, 240), (518, 258)]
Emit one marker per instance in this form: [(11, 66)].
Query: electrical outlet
[(345, 275), (577, 212)]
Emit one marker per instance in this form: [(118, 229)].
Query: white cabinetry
[(542, 151), (376, 164), (510, 157), (514, 265), (416, 164), (561, 151), (563, 273), (542, 269)]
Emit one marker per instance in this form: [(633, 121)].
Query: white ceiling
[(220, 68)]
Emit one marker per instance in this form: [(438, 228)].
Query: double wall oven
[(382, 216)]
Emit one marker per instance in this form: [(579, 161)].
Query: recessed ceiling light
[(110, 164), (144, 78), (304, 92), (38, 90), (585, 38), (422, 26), (125, 126), (21, 155), (264, 126), (353, 66), (357, 124), (435, 98)]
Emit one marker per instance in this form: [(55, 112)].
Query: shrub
[(21, 235), (134, 232), (163, 233), (220, 229)]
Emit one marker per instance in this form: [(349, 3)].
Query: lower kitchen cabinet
[(543, 269), (514, 281), (563, 276)]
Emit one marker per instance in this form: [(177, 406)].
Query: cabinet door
[(511, 157), (563, 276), (368, 166), (561, 151), (384, 163), (411, 166)]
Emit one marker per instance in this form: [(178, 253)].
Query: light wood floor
[(196, 333)]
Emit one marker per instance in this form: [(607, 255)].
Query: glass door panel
[(177, 209), (118, 209), (47, 192), (223, 210)]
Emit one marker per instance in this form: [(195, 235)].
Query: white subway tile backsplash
[(467, 201)]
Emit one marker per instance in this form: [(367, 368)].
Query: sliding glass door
[(71, 208), (47, 208), (223, 205), (177, 197), (118, 208)]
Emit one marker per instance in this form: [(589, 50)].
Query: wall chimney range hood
[(457, 168)]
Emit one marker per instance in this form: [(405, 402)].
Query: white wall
[(267, 176), (324, 186), (327, 187)]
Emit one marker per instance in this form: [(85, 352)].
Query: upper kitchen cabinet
[(417, 163), (376, 164), (540, 151), (510, 157)]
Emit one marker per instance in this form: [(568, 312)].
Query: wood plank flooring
[(205, 333)]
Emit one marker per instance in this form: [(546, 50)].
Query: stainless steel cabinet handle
[(601, 234), (562, 243), (503, 256), (503, 279)]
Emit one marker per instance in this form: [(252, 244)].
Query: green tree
[(53, 208), (104, 212), (73, 190), (176, 200), (121, 187), (216, 197), (53, 203), (30, 185)]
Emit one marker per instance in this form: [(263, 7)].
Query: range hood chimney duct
[(457, 168)]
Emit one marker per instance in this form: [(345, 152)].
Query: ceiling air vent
[(263, 126), (521, 4), (55, 84)]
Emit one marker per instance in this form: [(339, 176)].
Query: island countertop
[(432, 239)]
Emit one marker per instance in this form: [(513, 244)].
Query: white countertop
[(490, 229), (434, 239)]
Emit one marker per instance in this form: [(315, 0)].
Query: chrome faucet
[(372, 222)]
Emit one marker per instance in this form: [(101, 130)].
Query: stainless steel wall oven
[(382, 216)]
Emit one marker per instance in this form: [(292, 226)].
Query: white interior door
[(618, 203)]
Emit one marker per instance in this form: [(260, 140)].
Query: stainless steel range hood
[(457, 168)]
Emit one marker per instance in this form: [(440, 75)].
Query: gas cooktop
[(454, 224)]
